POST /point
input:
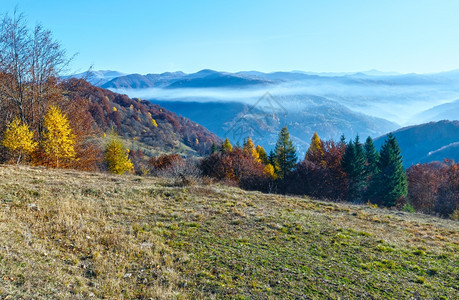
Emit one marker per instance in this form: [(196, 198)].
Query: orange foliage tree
[(434, 188), (237, 166)]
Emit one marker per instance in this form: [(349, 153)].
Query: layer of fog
[(396, 103)]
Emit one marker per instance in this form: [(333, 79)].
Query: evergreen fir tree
[(353, 163), (390, 183), (371, 169), (371, 157), (213, 149), (342, 140), (285, 153), (272, 157)]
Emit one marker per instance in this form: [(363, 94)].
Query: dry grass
[(66, 234)]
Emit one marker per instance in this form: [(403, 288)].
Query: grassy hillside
[(65, 234)]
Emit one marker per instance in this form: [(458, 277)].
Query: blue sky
[(321, 36)]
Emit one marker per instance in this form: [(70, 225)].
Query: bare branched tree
[(30, 65)]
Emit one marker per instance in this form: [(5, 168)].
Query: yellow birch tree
[(315, 151), (58, 138), (19, 139), (269, 171), (226, 146), (117, 156), (250, 148)]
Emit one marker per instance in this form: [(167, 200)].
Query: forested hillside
[(146, 126)]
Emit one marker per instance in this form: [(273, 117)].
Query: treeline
[(339, 171)]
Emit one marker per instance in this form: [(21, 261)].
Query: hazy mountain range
[(258, 104), (399, 98), (98, 78)]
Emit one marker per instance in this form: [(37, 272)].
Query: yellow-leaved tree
[(226, 146), (19, 139), (250, 148), (315, 151), (117, 156), (58, 137), (269, 171), (262, 154)]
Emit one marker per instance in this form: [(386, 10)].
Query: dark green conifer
[(272, 157), (353, 163), (372, 157), (214, 148), (285, 154), (390, 182)]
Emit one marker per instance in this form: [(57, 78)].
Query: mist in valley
[(398, 103)]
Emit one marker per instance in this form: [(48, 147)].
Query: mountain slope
[(450, 151), (447, 111), (137, 81), (133, 120), (218, 80), (428, 142), (203, 78), (75, 235), (97, 78)]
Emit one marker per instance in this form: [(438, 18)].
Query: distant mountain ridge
[(427, 142), (203, 78), (97, 78), (211, 78)]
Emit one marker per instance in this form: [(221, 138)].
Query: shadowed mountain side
[(428, 142), (450, 151), (203, 78), (137, 81)]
